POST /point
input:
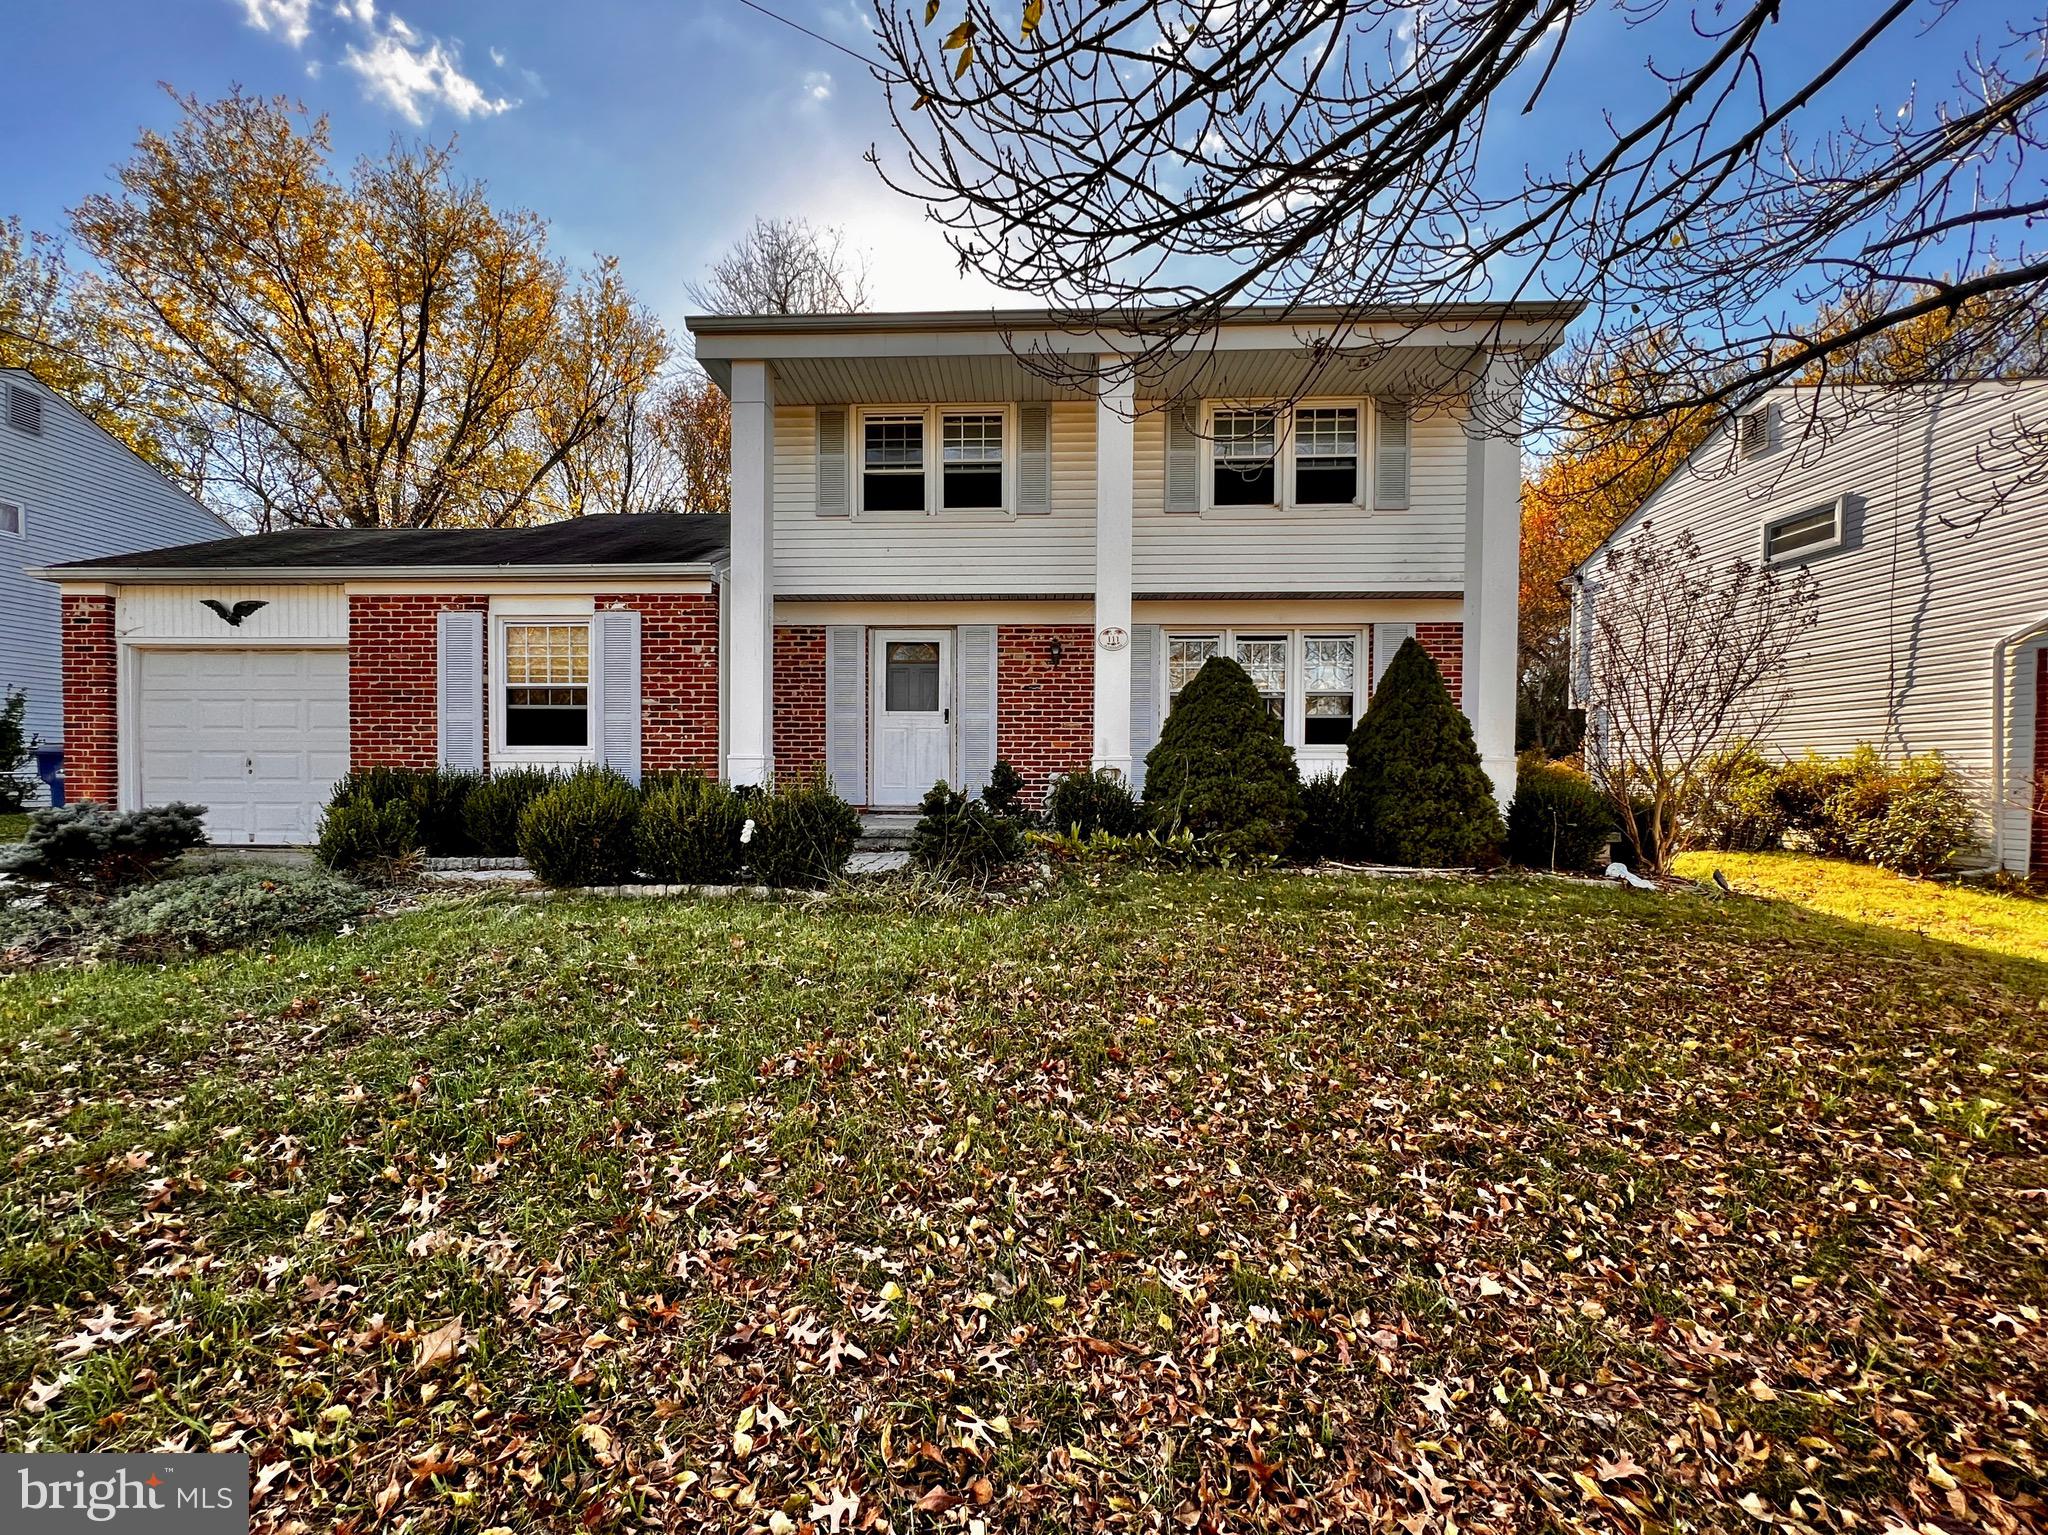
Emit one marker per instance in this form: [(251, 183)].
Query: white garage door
[(256, 736)]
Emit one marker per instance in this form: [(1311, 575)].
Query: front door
[(913, 714)]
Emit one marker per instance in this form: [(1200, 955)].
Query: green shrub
[(87, 847), (224, 908), (1142, 850), (1416, 786), (690, 832), (1558, 819), (437, 798), (1005, 792), (369, 839), (1329, 826), (1808, 791), (490, 816), (1736, 807), (803, 833), (15, 743), (582, 830), (1913, 818), (1222, 768), (962, 838), (1087, 803)]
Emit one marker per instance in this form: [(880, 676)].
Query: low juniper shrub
[(690, 831), (1084, 803), (87, 848), (582, 830), (228, 908)]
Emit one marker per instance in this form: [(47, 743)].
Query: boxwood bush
[(582, 830), (1222, 768), (370, 839), (490, 815), (1558, 819), (1415, 783), (1736, 807), (437, 798), (1329, 825), (803, 833), (690, 831), (1084, 803)]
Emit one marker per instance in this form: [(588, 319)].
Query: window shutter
[(1034, 459), (1148, 645), (1386, 639), (459, 691), (846, 710), (1390, 475), (976, 687), (1183, 462), (832, 498), (618, 691)]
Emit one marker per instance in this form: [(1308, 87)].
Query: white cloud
[(498, 57), (818, 84), (414, 74), (288, 17)]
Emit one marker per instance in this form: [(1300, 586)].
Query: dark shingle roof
[(612, 539)]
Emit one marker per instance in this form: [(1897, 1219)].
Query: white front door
[(913, 713), (256, 736)]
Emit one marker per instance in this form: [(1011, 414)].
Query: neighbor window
[(1329, 665), (971, 461), (10, 519), (1187, 654), (1812, 531), (1243, 457), (547, 685), (1264, 658), (892, 463), (1325, 455)]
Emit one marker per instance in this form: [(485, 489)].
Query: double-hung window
[(547, 685), (1310, 680), (1187, 654), (1329, 665), (1326, 441), (1245, 457), (1264, 658), (971, 466), (892, 462)]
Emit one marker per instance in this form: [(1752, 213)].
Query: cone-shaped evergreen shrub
[(1415, 782), (1222, 768)]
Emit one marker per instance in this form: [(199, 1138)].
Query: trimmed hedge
[(369, 839), (582, 831), (1222, 768), (437, 798), (1558, 819), (1085, 803), (803, 833), (490, 816), (1417, 790), (689, 832)]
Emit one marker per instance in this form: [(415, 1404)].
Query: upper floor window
[(1326, 455), (10, 519), (892, 463), (1244, 459), (971, 474), (1802, 534)]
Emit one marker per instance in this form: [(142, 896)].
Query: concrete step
[(886, 830)]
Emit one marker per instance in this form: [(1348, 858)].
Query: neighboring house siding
[(1931, 579), (2037, 858), (90, 697), (82, 495)]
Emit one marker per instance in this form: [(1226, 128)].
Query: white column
[(1493, 559), (1114, 463), (750, 590)]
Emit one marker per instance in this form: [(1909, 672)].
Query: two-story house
[(941, 549)]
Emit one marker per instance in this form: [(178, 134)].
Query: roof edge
[(1084, 321), (331, 574)]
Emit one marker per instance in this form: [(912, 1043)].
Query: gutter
[(1999, 654), (1083, 321), (186, 575)]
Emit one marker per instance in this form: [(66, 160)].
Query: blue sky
[(655, 131)]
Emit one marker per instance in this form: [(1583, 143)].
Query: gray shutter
[(618, 691), (1148, 646), (1034, 459), (832, 497), (975, 686), (1386, 639), (459, 691), (846, 710), (1390, 476), (1183, 461)]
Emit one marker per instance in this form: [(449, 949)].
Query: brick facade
[(393, 665), (678, 678), (91, 729), (1446, 646), (2037, 854), (1045, 712), (799, 700)]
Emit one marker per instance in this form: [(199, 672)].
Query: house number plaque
[(1113, 638)]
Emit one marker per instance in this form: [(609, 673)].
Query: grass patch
[(13, 827), (2015, 926), (1253, 1200)]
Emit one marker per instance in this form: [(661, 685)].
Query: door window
[(910, 677)]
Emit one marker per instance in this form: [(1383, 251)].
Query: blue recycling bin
[(50, 769)]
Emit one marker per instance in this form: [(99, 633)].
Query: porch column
[(1493, 557), (749, 606), (1114, 462)]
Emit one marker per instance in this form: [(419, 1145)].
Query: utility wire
[(859, 58)]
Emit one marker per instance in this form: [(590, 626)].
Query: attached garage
[(256, 736)]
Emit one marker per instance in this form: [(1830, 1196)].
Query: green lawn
[(1200, 1202), (2014, 925), (12, 827)]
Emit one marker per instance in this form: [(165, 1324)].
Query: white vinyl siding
[(1912, 605)]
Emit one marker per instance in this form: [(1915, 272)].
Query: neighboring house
[(1913, 510), (936, 555), (68, 491)]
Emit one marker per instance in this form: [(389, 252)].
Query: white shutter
[(1148, 682), (1034, 459), (846, 711), (459, 691), (618, 691), (1390, 473), (975, 685), (832, 497), (1386, 639), (1183, 460)]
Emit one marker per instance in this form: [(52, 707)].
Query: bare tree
[(1679, 660), (1170, 160), (785, 266)]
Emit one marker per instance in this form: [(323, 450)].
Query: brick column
[(1045, 713), (91, 712), (678, 678)]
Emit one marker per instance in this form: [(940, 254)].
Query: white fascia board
[(331, 575)]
